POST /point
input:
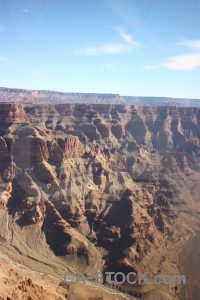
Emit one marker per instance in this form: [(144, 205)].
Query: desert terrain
[(94, 188)]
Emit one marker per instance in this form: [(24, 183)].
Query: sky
[(128, 47)]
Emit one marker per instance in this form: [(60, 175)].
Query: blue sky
[(130, 47)]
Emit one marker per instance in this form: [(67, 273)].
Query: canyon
[(90, 187)]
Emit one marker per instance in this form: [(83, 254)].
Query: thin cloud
[(110, 48), (36, 74), (128, 11), (110, 66), (182, 62), (127, 37), (4, 59), (5, 62), (194, 44), (25, 10), (2, 29), (179, 62), (152, 67)]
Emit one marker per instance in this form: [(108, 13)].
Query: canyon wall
[(103, 187)]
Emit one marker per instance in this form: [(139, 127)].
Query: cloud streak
[(128, 11), (127, 37), (36, 74), (194, 44), (112, 47), (179, 62), (5, 62), (110, 66), (109, 48), (2, 29), (25, 10), (182, 62), (185, 62), (4, 59)]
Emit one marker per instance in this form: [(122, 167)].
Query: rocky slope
[(99, 187)]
